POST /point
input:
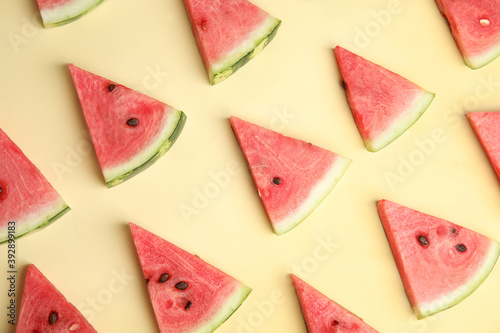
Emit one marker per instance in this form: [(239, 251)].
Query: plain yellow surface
[(293, 86)]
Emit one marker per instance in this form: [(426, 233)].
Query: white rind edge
[(171, 121), (227, 309), (479, 61), (66, 13), (316, 196), (402, 123), (455, 297), (247, 46)]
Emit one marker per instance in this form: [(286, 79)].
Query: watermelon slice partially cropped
[(384, 104), (486, 125), (188, 294), (27, 200), (475, 26), (59, 12), (45, 309), (323, 315), (440, 263), (130, 130), (292, 176), (229, 33)]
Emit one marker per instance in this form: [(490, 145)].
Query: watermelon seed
[(277, 180), (484, 22), (461, 248), (52, 318), (423, 240), (147, 281), (453, 230), (335, 323), (1, 190), (133, 122), (204, 25), (111, 87), (181, 285), (188, 305), (163, 278), (342, 83)]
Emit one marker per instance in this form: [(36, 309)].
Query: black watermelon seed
[(133, 122), (461, 248), (147, 281), (343, 84), (163, 278), (188, 305), (111, 87), (1, 190), (453, 230), (52, 318), (335, 323), (423, 240), (181, 285), (277, 180)]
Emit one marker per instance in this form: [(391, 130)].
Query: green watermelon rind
[(458, 295), (478, 61), (68, 13), (38, 222), (244, 52), (227, 309), (315, 198), (174, 126), (401, 124)]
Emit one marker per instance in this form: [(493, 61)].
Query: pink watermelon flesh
[(292, 176), (188, 294), (26, 197), (486, 125), (229, 33), (440, 263), (45, 309), (59, 12), (323, 315), (384, 104), (123, 149), (475, 26)]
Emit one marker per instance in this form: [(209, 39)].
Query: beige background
[(293, 87)]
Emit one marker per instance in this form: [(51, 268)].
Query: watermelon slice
[(130, 130), (45, 309), (292, 176), (188, 294), (475, 26), (26, 197), (322, 315), (384, 104), (229, 33), (486, 125), (59, 12), (440, 263)]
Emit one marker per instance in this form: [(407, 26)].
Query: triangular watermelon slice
[(45, 309), (323, 315), (59, 12), (475, 26), (440, 263), (130, 130), (486, 125), (229, 33), (188, 294), (27, 200), (292, 176), (384, 104)]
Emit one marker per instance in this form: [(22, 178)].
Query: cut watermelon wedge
[(475, 26), (486, 125), (323, 315), (59, 12), (45, 309), (188, 294), (229, 33), (130, 130), (27, 200), (292, 176), (384, 104), (440, 263)]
